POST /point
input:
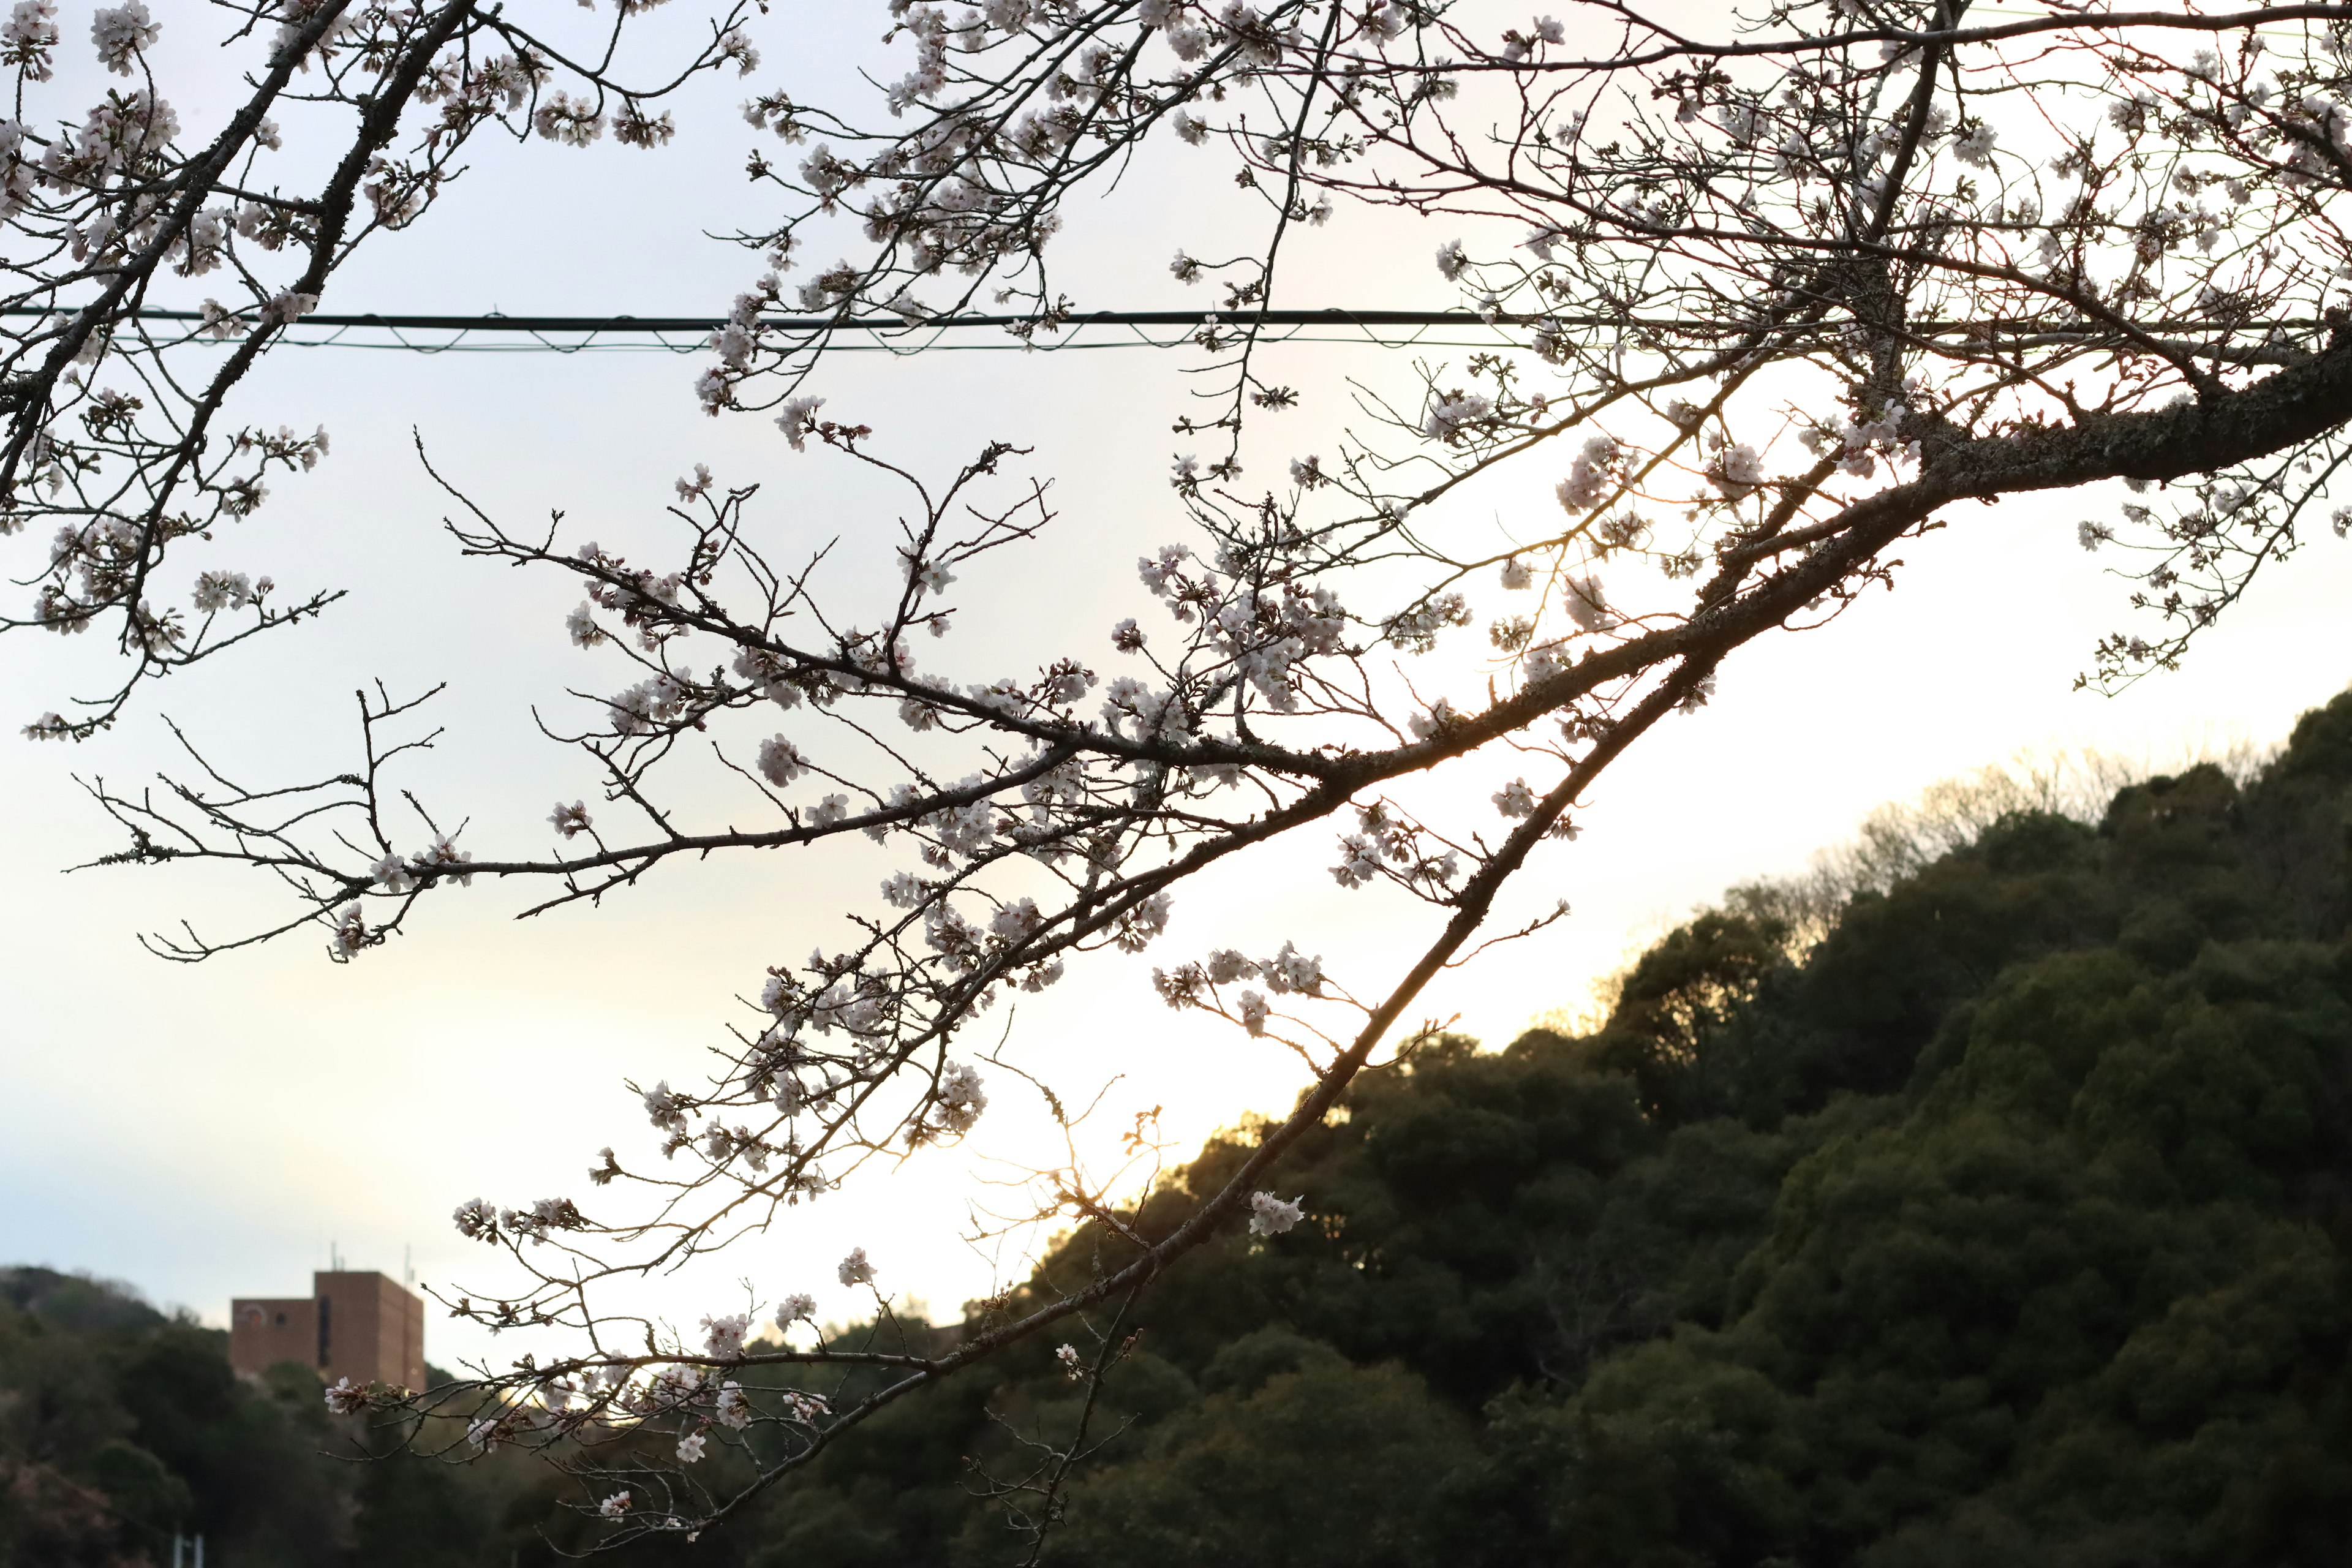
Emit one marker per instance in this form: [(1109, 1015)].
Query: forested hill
[(2008, 1224), (2001, 1217)]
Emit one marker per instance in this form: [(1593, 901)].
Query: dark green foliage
[(1300, 1457), (121, 1427), (2011, 1223), (2007, 1225)]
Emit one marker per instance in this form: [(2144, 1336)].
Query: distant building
[(354, 1325)]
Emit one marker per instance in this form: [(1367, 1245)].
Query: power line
[(1328, 316), (891, 333), (498, 322), (896, 334)]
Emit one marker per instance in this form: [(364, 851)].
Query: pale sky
[(210, 1130)]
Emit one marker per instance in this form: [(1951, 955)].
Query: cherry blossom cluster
[(116, 205)]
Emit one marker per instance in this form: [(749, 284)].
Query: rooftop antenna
[(407, 1266)]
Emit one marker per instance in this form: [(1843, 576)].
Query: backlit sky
[(210, 1130)]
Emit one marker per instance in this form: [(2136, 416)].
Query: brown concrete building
[(356, 1325)]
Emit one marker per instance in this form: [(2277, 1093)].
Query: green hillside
[(2006, 1222)]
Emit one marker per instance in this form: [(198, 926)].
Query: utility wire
[(898, 335), (1328, 316), (496, 321), (891, 334)]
